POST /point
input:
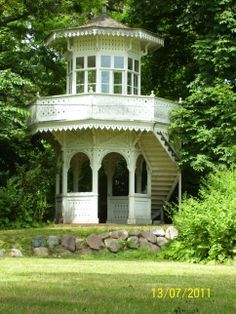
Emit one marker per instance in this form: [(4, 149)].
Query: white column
[(64, 187), (131, 217), (139, 177), (94, 209)]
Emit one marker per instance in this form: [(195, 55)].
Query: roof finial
[(104, 10)]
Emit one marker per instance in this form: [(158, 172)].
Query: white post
[(94, 211), (131, 217)]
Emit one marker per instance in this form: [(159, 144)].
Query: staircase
[(161, 158)]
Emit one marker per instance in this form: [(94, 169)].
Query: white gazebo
[(117, 163)]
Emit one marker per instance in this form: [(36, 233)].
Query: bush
[(27, 200), (207, 225)]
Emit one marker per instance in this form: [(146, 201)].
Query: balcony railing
[(100, 107)]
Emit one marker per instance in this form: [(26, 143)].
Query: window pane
[(135, 91), (105, 88), (80, 77), (118, 78), (91, 62), (129, 79), (130, 64), (79, 89), (129, 91), (118, 89), (135, 81), (136, 65), (91, 77), (105, 77), (118, 62), (80, 63), (105, 61)]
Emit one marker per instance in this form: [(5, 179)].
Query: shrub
[(207, 225)]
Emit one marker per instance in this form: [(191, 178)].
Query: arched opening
[(79, 174), (141, 176), (113, 188)]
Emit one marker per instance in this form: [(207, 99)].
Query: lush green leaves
[(207, 225)]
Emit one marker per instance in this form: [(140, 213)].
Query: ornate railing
[(118, 209), (100, 107)]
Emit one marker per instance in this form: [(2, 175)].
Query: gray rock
[(149, 236), (79, 244), (171, 233), (162, 241), (16, 253), (39, 241), (86, 251), (105, 235), (143, 242), (53, 241), (154, 248), (61, 251), (133, 242), (159, 232), (1, 253), (41, 251), (113, 245), (94, 241), (135, 233), (68, 242), (120, 234)]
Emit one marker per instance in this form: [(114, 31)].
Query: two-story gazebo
[(117, 163)]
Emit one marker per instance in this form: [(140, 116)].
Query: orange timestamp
[(181, 293)]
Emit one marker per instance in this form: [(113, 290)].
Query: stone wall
[(113, 242)]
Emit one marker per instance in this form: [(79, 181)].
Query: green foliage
[(207, 225), (26, 199), (205, 124)]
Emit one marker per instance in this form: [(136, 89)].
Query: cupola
[(103, 56)]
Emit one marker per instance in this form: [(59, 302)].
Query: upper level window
[(133, 77), (85, 74), (112, 74)]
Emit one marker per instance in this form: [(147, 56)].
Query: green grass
[(49, 285)]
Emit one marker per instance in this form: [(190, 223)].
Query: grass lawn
[(50, 285)]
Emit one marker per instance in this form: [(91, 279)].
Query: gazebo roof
[(104, 25)]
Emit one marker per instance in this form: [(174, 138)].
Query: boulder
[(105, 235), (61, 251), (39, 241), (154, 248), (16, 253), (171, 233), (135, 233), (68, 242), (159, 232), (133, 242), (162, 241), (1, 253), (94, 241), (86, 251), (41, 251), (120, 234), (113, 245), (149, 236), (79, 244), (143, 242), (53, 241)]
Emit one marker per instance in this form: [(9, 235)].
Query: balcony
[(53, 112)]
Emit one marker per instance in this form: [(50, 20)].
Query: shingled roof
[(104, 21)]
